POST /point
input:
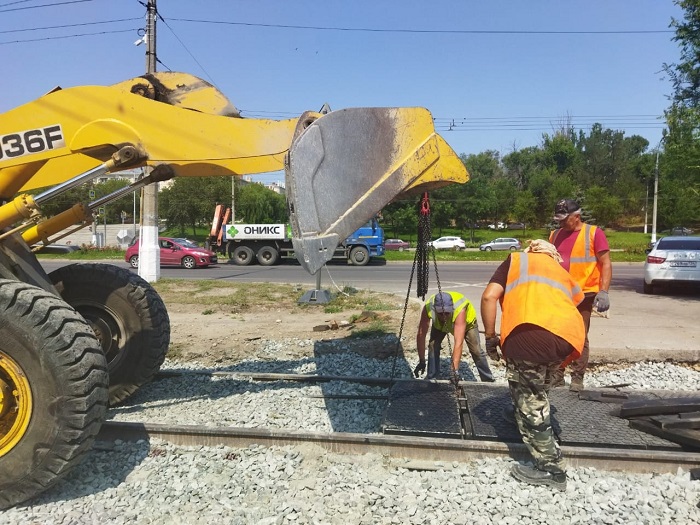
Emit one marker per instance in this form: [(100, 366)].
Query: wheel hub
[(15, 403), (108, 335)]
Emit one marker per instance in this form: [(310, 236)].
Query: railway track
[(416, 452)]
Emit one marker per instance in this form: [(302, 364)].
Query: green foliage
[(188, 204), (258, 204), (605, 208), (680, 170), (190, 201), (525, 208)]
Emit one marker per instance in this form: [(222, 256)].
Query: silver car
[(672, 260), (502, 243)]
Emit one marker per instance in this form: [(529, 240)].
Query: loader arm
[(341, 168)]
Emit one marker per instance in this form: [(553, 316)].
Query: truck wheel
[(128, 317), (359, 256), (267, 256), (189, 262), (53, 390), (242, 256)]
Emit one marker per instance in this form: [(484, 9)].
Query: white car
[(673, 260), (448, 243)]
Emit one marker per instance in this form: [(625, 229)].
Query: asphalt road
[(639, 326)]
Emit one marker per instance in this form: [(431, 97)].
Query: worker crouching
[(451, 313), (541, 330)]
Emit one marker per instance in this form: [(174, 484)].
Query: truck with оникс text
[(244, 244)]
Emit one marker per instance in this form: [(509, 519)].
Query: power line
[(429, 31), (41, 5), (70, 25), (17, 2), (68, 36), (186, 49)]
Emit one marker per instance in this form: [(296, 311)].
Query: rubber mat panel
[(586, 423), (423, 408), (574, 421), (486, 406)]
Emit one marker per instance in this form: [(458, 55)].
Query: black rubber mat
[(423, 408), (576, 422)]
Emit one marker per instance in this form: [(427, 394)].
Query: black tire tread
[(146, 303), (73, 355)]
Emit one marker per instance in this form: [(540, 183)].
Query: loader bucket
[(347, 165)]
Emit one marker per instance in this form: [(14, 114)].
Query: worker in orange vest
[(586, 256), (540, 329)]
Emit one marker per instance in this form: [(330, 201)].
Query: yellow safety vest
[(460, 302)]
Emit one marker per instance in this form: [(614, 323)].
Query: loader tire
[(53, 390), (128, 317)]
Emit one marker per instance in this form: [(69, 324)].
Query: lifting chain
[(421, 260)]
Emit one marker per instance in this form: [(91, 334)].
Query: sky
[(496, 75)]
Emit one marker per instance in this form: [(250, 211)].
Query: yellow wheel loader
[(87, 335)]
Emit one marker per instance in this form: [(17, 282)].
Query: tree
[(258, 204), (189, 202), (524, 208), (603, 208), (682, 142), (400, 216), (125, 204)]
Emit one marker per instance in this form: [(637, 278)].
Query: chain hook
[(425, 205)]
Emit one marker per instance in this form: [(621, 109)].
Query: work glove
[(602, 301), (454, 378), (419, 369), (492, 344)]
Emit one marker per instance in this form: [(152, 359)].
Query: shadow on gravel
[(106, 467), (351, 405)]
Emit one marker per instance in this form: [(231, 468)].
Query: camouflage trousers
[(528, 388)]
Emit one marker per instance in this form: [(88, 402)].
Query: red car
[(175, 252), (396, 244)]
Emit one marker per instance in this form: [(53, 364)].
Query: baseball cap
[(443, 303), (564, 208)]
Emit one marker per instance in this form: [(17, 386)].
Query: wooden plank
[(654, 407), (689, 438)]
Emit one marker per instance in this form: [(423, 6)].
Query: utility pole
[(646, 208), (656, 195), (149, 250), (233, 199)]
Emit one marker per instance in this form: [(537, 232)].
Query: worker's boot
[(576, 383), (535, 476), (556, 378)]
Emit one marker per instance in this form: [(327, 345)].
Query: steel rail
[(405, 451)]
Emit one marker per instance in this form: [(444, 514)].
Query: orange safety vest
[(540, 292), (584, 266)]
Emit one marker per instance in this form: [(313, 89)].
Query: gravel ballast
[(161, 483)]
